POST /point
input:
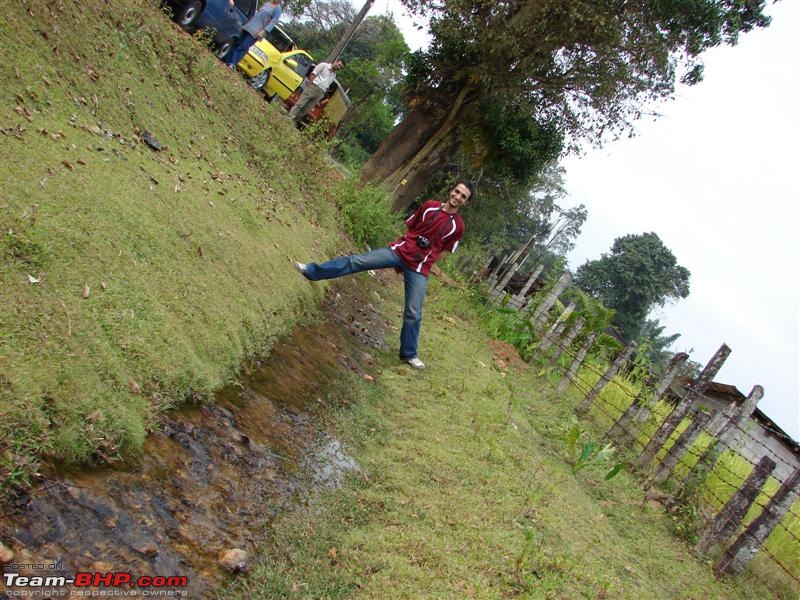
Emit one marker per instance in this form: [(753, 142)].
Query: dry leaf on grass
[(23, 112)]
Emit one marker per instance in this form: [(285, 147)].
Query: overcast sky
[(715, 178)]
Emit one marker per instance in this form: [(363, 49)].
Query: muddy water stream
[(213, 477)]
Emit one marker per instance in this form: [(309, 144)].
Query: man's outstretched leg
[(382, 258)]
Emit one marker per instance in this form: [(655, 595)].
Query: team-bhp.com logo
[(122, 584)]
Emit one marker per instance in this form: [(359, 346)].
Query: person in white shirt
[(262, 22), (320, 79)]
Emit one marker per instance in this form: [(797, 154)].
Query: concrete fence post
[(722, 441), (563, 345), (486, 264), (727, 521), (498, 289), (552, 334), (520, 297), (511, 259), (495, 275), (610, 372), (681, 446), (556, 329), (686, 406), (752, 538), (634, 411), (572, 372), (540, 314)]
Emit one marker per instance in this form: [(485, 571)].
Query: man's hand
[(445, 279)]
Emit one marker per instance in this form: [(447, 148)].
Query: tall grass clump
[(366, 214), (506, 324)]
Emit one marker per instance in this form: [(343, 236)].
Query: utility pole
[(351, 31)]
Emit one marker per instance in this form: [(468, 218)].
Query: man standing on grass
[(432, 232), (318, 83), (263, 21)]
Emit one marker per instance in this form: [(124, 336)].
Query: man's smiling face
[(459, 196)]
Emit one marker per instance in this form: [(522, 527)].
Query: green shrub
[(351, 154), (367, 215)]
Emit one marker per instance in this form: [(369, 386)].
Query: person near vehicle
[(320, 79), (262, 22), (432, 232)]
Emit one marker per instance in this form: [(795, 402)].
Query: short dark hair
[(468, 184)]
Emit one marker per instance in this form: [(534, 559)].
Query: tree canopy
[(658, 347), (582, 69), (639, 273)]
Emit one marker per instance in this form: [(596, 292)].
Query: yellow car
[(276, 65)]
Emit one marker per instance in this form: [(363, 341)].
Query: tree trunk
[(417, 148), (419, 174)]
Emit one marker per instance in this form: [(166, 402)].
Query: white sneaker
[(415, 363), (301, 268)]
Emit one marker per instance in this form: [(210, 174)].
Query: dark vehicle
[(226, 21)]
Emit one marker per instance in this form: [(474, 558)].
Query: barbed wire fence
[(683, 442)]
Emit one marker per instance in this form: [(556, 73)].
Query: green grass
[(467, 491), (158, 272), (727, 476)]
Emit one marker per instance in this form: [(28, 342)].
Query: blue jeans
[(240, 49), (383, 258)]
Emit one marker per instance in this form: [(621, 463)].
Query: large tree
[(639, 273), (583, 68)]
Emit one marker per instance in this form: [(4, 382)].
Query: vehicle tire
[(188, 15), (224, 49), (260, 80)]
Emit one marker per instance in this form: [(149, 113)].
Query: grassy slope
[(186, 252), (466, 493)]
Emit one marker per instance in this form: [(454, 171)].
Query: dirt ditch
[(213, 477)]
